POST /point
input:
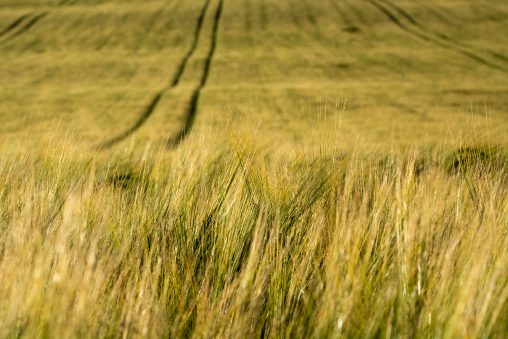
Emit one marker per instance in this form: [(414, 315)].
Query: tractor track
[(154, 102), (14, 24), (26, 21), (174, 82), (439, 35), (175, 140), (36, 18), (21, 25), (190, 52), (437, 13), (432, 38)]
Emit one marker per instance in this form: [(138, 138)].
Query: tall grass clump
[(240, 244)]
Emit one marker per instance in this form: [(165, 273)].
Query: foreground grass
[(235, 244)]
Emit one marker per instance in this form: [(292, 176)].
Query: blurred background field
[(370, 74)]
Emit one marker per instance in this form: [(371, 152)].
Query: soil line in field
[(192, 109), (21, 25), (14, 24), (415, 29), (439, 35), (26, 21), (150, 108)]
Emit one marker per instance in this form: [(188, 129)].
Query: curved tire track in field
[(190, 52), (425, 36), (13, 25), (21, 25), (152, 105), (439, 35), (439, 14), (26, 21), (180, 136)]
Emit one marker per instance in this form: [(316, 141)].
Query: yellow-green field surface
[(253, 168), (372, 73)]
